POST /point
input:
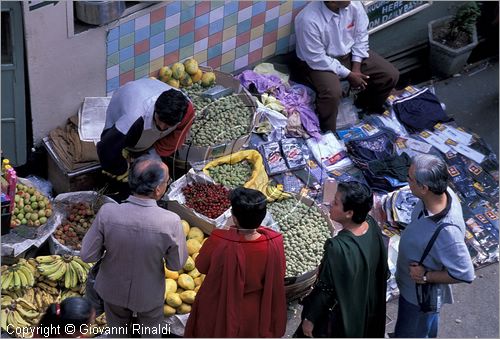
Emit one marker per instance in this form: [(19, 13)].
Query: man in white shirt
[(332, 44)]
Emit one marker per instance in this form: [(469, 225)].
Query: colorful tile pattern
[(226, 35)]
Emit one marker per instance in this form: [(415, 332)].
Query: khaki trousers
[(383, 77)]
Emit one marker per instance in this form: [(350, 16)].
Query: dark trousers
[(120, 317), (383, 77)]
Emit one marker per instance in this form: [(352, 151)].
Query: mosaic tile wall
[(225, 35)]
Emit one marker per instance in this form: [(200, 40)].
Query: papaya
[(194, 273), (173, 83), (178, 70), (193, 246), (186, 80), (189, 265), (171, 274), (170, 286), (168, 310), (165, 73), (196, 233), (191, 66), (197, 76), (208, 79), (185, 227), (184, 309), (173, 299), (186, 282), (188, 297)]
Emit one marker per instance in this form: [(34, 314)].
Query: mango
[(186, 80), (170, 286), (165, 73)]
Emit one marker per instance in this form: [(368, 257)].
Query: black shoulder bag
[(429, 296)]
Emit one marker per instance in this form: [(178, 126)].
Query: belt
[(343, 57)]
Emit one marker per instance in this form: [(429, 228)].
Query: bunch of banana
[(68, 269), (275, 194), (69, 293), (43, 298), (19, 313), (18, 276)]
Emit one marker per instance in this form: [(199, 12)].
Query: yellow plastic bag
[(259, 178)]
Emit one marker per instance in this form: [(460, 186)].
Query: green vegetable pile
[(304, 233), (231, 176), (194, 93), (223, 120)]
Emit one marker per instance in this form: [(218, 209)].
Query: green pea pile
[(304, 233), (231, 176), (223, 120), (194, 93)]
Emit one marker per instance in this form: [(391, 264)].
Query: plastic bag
[(259, 178), (44, 186)]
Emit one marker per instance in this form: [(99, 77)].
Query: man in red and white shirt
[(143, 116), (332, 44)]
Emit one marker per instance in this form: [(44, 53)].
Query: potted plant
[(452, 39)]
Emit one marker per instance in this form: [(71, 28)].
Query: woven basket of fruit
[(79, 209)]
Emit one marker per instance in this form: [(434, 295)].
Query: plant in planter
[(452, 39)]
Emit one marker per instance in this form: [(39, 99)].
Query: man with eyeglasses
[(133, 239), (143, 116), (448, 261)]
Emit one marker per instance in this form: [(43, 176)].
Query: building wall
[(225, 35), (62, 70), (228, 35)]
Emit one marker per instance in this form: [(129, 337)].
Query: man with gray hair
[(133, 239), (448, 262)]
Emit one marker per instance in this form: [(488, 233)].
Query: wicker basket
[(300, 286)]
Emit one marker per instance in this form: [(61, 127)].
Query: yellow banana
[(55, 276), (45, 259), (50, 268), (47, 288), (28, 274), (6, 300), (22, 278), (38, 300), (25, 304), (3, 319), (86, 266), (6, 280), (20, 321), (4, 268), (70, 278), (11, 320), (30, 314), (80, 271), (29, 295), (49, 282), (32, 265), (17, 281)]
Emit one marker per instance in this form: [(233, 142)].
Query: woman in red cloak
[(243, 294)]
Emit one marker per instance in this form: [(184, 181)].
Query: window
[(7, 55)]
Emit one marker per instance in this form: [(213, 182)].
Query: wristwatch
[(424, 278)]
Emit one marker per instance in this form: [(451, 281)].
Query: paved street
[(472, 99)]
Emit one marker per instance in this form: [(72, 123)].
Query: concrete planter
[(444, 60)]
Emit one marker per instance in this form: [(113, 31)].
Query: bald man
[(134, 238)]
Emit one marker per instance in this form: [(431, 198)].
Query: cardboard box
[(193, 153), (187, 214), (64, 180)]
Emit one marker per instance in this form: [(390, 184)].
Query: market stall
[(259, 131)]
